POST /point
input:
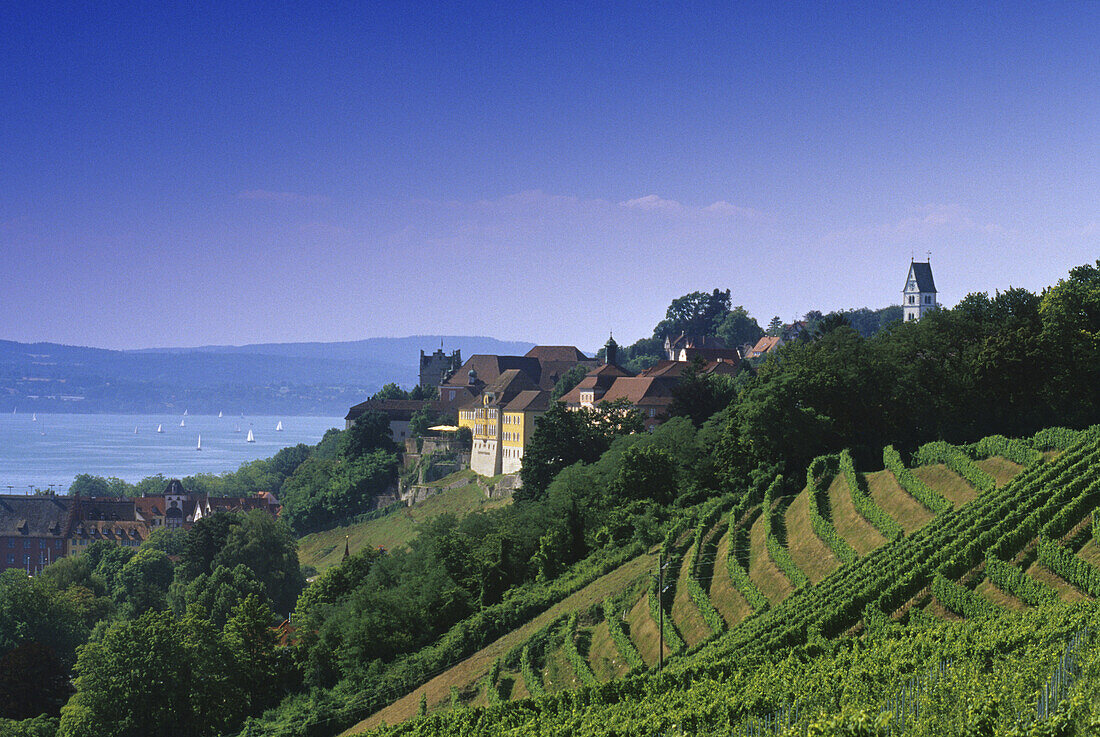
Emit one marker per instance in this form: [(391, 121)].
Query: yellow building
[(501, 421)]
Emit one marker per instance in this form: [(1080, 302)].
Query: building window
[(11, 559), (912, 299), (26, 544), (11, 543), (928, 299)]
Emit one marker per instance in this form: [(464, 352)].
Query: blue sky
[(237, 172)]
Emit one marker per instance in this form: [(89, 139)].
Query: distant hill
[(275, 378)]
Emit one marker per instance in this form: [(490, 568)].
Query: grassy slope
[(1066, 590), (477, 665), (726, 599), (603, 655), (896, 502), (857, 531), (812, 556), (772, 582), (643, 630), (693, 628), (987, 590), (1090, 552), (1001, 469), (325, 549), (949, 484)]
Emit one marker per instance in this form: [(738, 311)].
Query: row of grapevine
[(621, 639), (659, 603), (819, 476), (916, 488), (1055, 438), (865, 505), (739, 573), (530, 677), (1068, 477), (1078, 572), (578, 661), (1071, 513), (961, 600), (1011, 579), (702, 568), (1017, 451), (778, 553), (941, 452)]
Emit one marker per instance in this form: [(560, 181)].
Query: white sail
[(279, 427), (219, 414), (135, 431), (250, 439), (199, 446), (182, 423), (160, 428), (185, 413), (34, 417)]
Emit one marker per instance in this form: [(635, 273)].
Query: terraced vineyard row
[(720, 566)]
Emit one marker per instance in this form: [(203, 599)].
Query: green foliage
[(530, 677), (142, 583), (738, 328), (776, 550), (216, 592), (619, 636), (647, 472), (576, 660), (35, 610), (170, 541), (819, 476), (916, 488), (1078, 572), (33, 682), (1008, 577), (961, 600), (864, 504), (568, 380), (1055, 438), (699, 395), (739, 572), (697, 313), (940, 452), (1017, 451)]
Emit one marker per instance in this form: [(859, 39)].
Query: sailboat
[(181, 423), (135, 431), (160, 428), (250, 439), (279, 427), (219, 414), (199, 446), (185, 413), (34, 417)]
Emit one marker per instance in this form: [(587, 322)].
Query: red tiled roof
[(556, 354)]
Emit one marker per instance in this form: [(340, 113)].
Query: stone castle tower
[(919, 295), (438, 367)]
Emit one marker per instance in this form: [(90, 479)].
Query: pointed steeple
[(611, 351)]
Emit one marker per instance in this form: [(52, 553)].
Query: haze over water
[(57, 447)]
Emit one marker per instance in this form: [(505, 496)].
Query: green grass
[(851, 525), (907, 511), (325, 549), (1001, 469), (949, 484)]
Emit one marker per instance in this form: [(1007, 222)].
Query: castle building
[(438, 367), (919, 295)]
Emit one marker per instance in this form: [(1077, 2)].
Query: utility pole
[(660, 576)]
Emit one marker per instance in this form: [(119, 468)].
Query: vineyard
[(953, 593)]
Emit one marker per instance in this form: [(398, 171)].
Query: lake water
[(57, 447)]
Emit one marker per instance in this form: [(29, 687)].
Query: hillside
[(460, 494), (1030, 513)]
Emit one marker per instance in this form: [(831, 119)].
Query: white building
[(919, 295)]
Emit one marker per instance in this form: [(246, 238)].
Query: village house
[(32, 531)]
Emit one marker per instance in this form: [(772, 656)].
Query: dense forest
[(175, 638)]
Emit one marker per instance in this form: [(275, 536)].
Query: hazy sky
[(244, 172)]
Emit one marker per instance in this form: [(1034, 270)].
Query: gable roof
[(556, 354), (510, 384), (921, 273), (767, 344), (529, 400), (641, 391), (34, 516), (488, 368)]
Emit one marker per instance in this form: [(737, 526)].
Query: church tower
[(919, 295)]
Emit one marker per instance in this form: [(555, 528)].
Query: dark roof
[(509, 385), (556, 354), (674, 369), (641, 391), (921, 271), (712, 354), (529, 401), (490, 367), (34, 516), (695, 341), (394, 409)]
